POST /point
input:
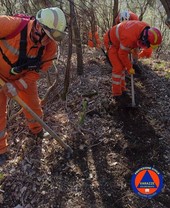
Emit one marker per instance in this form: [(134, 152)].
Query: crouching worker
[(33, 45), (119, 42)]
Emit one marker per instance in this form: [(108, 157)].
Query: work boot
[(42, 134), (36, 139), (3, 158)]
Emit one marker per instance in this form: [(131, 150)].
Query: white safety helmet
[(124, 15), (53, 22)]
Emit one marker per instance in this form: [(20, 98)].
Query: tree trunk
[(115, 11), (77, 39), (166, 5), (67, 74)]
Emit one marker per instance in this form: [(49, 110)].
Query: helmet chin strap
[(40, 35)]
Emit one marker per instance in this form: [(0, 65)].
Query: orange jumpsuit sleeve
[(8, 25), (145, 53), (124, 57), (29, 78), (50, 53)]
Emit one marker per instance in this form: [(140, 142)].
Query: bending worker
[(40, 36), (120, 40), (129, 15)]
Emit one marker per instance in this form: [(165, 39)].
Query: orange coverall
[(133, 16), (25, 82), (144, 53), (91, 44), (123, 38)]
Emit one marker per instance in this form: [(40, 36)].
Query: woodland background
[(109, 143)]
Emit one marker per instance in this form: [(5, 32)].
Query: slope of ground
[(110, 143)]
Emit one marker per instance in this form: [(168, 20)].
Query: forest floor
[(109, 141)]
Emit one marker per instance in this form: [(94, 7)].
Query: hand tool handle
[(133, 91), (44, 125)]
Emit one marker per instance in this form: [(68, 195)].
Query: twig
[(16, 114), (44, 100)]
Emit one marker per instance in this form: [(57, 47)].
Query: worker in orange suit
[(94, 41), (129, 15), (125, 15), (120, 40), (41, 38)]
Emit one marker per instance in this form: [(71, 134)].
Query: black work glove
[(137, 68)]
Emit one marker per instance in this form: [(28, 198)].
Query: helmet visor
[(54, 34)]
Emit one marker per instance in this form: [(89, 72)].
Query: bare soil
[(109, 140)]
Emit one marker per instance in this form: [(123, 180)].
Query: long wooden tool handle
[(132, 84), (44, 125), (133, 91)]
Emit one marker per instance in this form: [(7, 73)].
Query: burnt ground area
[(109, 140)]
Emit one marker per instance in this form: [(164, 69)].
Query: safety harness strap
[(22, 52), (5, 58), (23, 47), (24, 62)]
